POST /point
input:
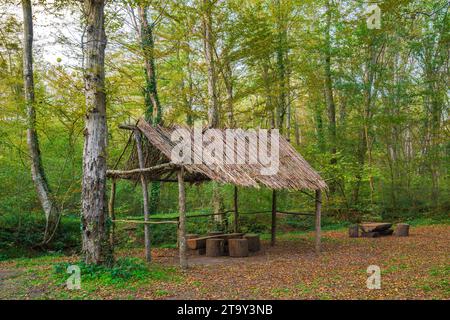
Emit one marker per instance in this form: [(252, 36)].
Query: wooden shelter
[(150, 160)]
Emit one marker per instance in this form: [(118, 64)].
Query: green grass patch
[(280, 292), (124, 272)]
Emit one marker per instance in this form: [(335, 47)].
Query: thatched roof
[(293, 171)]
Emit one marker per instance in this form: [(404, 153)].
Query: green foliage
[(19, 233), (123, 271)]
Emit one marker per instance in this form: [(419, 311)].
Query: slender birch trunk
[(37, 170)]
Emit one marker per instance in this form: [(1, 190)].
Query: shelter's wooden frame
[(181, 221)]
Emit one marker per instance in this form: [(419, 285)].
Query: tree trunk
[(112, 214), (182, 219), (152, 104), (229, 85), (188, 90), (37, 170), (296, 131), (148, 254), (208, 40), (274, 218), (367, 115), (96, 247), (288, 99), (331, 107), (268, 91), (236, 213), (318, 220), (213, 108), (319, 127), (280, 53)]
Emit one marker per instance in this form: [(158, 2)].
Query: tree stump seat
[(402, 230), (353, 231), (254, 244), (215, 247), (238, 247)]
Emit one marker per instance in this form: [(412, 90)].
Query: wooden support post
[(274, 217), (112, 214), (318, 227), (137, 136), (182, 219), (236, 213)]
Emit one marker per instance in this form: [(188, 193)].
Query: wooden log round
[(254, 244), (402, 230), (238, 247), (215, 247), (189, 236), (196, 243), (353, 231)]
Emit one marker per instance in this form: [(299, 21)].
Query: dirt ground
[(414, 267)]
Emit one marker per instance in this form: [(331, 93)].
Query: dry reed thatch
[(293, 173)]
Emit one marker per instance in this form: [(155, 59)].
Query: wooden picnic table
[(375, 226), (200, 243)]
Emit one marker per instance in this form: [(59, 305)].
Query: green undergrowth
[(123, 273)]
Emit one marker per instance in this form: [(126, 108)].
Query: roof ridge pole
[(182, 219), (274, 217), (148, 254), (318, 218)]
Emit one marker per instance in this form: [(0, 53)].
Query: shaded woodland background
[(368, 108)]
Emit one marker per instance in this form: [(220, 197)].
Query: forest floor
[(414, 267)]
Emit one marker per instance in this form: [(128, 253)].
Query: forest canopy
[(367, 107)]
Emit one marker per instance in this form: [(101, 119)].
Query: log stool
[(238, 247), (402, 230), (253, 242), (188, 236), (215, 247), (353, 231)]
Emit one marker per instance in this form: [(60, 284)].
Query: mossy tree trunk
[(152, 103)]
